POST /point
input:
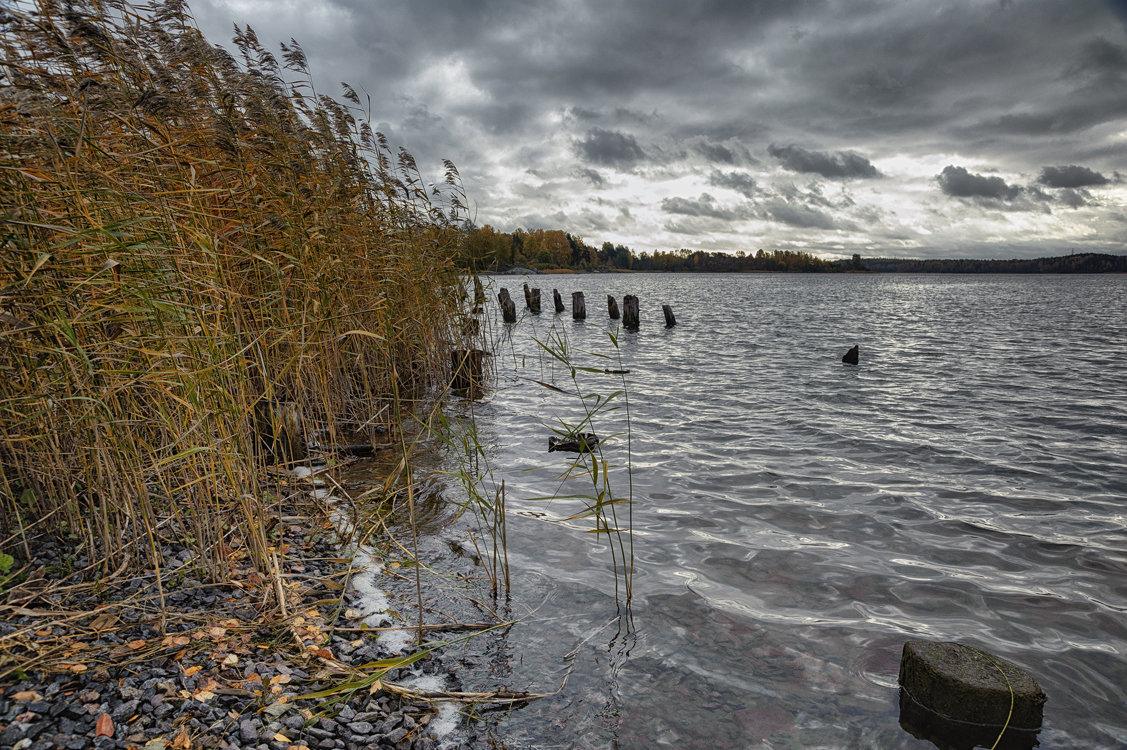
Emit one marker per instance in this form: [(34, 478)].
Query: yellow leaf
[(217, 633), (377, 686), (182, 741), (280, 679), (230, 660), (279, 737), (204, 696), (192, 670)]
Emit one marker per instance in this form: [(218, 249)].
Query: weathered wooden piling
[(630, 312), (508, 307), (466, 369), (578, 306), (612, 307), (478, 291), (558, 300), (534, 301), (670, 321), (527, 297), (280, 431)]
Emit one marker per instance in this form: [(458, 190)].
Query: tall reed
[(187, 236)]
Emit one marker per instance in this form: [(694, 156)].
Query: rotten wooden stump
[(670, 321), (534, 301), (630, 312), (466, 366), (612, 307), (508, 307), (578, 306), (558, 300)]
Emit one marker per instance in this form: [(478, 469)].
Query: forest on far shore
[(485, 249)]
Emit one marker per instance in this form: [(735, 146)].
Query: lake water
[(796, 520)]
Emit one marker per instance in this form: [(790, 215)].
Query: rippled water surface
[(796, 520)]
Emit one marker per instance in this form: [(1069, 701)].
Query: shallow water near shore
[(796, 520)]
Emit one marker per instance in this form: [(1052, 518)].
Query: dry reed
[(188, 239)]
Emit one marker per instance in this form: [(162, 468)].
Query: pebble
[(145, 700)]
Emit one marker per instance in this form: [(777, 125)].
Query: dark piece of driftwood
[(508, 307), (558, 300), (852, 355), (465, 364), (670, 321), (578, 306), (630, 312), (612, 307), (574, 443)]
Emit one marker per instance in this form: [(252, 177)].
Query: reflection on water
[(796, 520)]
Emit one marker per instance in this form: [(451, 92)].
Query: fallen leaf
[(192, 670), (104, 621), (176, 640), (44, 633), (377, 686), (25, 695), (279, 737), (280, 679), (230, 660), (253, 677), (157, 743), (78, 668), (104, 726), (325, 653), (182, 741), (138, 644), (204, 696), (353, 614), (217, 633)]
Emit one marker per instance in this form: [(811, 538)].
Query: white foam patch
[(374, 605), (446, 720)]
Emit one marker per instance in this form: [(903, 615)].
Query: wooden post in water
[(612, 307), (534, 301), (478, 296), (578, 306), (670, 321), (558, 300), (508, 307), (630, 312), (280, 432), (527, 297), (466, 368)]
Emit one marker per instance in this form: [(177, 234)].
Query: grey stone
[(248, 731)]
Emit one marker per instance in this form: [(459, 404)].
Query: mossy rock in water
[(964, 683)]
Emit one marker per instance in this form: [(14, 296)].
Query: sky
[(889, 128)]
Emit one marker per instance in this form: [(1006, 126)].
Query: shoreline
[(224, 672)]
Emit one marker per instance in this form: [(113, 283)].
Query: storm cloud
[(610, 148), (841, 165), (1071, 176), (638, 110), (959, 183)]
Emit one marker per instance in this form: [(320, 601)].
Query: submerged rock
[(967, 684)]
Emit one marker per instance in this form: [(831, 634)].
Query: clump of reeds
[(188, 239)]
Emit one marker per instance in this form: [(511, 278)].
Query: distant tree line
[(1077, 263), (486, 249)]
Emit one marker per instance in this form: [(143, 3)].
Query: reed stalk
[(189, 239)]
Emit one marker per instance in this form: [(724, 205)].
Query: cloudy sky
[(910, 128)]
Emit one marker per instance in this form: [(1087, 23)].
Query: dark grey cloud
[(742, 182), (610, 148), (591, 176), (798, 215), (704, 206), (843, 164), (959, 183), (1071, 176)]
